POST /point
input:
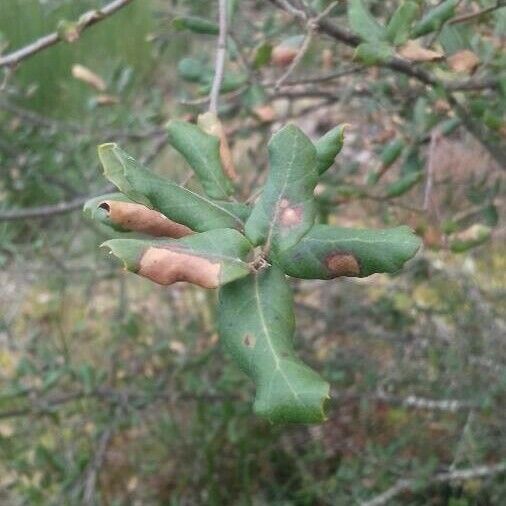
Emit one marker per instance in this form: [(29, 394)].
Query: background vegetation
[(116, 392)]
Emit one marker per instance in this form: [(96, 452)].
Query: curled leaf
[(209, 259), (122, 214), (328, 147), (211, 125), (202, 151), (256, 326), (327, 252), (179, 204)]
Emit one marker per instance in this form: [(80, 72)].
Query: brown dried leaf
[(413, 51), (463, 61), (86, 75), (140, 218), (265, 113)]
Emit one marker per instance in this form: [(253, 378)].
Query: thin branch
[(74, 204), (85, 21), (405, 485), (221, 53), (464, 18)]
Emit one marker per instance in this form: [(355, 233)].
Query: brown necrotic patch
[(289, 216), (249, 341), (165, 267), (342, 264), (139, 218)]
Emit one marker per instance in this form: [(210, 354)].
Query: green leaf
[(202, 152), (373, 53), (362, 22), (403, 184), (177, 203), (286, 209), (327, 252), (262, 55), (256, 326), (435, 18), (328, 147), (209, 259), (231, 81), (196, 24), (399, 26), (191, 70)]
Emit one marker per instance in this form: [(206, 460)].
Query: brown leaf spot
[(140, 218), (342, 264), (164, 266), (249, 341), (289, 216), (283, 55)]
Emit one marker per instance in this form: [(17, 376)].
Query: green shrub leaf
[(196, 24), (256, 325), (328, 147), (370, 53), (327, 252), (177, 203), (363, 23), (286, 209), (399, 26), (435, 18), (209, 259), (202, 152)]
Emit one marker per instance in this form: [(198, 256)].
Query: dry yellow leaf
[(463, 61), (413, 51), (87, 76)]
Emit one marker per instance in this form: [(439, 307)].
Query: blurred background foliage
[(116, 392)]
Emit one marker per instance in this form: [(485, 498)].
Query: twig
[(85, 21), (434, 140), (74, 204), (473, 15), (220, 58), (311, 27), (405, 485)]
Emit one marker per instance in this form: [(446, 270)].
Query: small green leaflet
[(286, 209), (209, 259), (435, 18), (399, 26), (177, 203), (371, 53), (256, 326), (363, 23), (328, 147), (202, 152), (196, 24), (327, 252)]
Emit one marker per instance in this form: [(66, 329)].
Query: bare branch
[(221, 53), (72, 205), (85, 21), (458, 475)]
